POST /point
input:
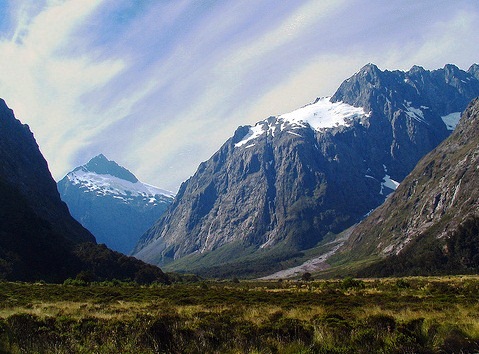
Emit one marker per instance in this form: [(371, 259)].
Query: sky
[(158, 86)]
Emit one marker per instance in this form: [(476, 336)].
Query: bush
[(75, 282), (402, 284), (307, 276), (351, 283)]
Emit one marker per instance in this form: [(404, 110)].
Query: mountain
[(112, 203), (39, 239), (474, 71), (290, 182), (431, 223)]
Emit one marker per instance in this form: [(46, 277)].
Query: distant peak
[(99, 157), (474, 70), (370, 67), (451, 66), (417, 68), (370, 72), (102, 166)]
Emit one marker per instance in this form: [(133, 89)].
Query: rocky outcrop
[(112, 203), (281, 186)]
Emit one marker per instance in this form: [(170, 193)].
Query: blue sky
[(159, 85)]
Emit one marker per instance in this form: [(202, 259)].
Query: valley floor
[(312, 265), (394, 315)]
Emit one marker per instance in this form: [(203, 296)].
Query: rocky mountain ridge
[(281, 186)]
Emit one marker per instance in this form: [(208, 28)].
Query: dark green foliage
[(456, 339), (463, 245), (307, 276), (224, 262), (350, 283), (102, 263), (402, 284)]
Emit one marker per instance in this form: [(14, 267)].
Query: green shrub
[(351, 283), (402, 284)]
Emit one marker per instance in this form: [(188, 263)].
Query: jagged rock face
[(437, 197), (406, 105), (292, 179), (112, 203), (39, 239)]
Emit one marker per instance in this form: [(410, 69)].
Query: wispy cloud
[(159, 85), (43, 85)]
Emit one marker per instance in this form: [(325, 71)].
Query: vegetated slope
[(279, 187), (112, 203), (38, 237), (431, 223)]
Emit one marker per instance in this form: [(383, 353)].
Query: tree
[(307, 276)]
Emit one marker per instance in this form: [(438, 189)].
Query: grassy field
[(401, 315)]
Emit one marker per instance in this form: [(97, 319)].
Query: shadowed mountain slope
[(38, 237)]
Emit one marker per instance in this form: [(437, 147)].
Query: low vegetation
[(401, 315)]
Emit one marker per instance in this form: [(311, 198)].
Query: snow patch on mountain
[(322, 114), (388, 182), (254, 132), (104, 184), (451, 120), (415, 113)]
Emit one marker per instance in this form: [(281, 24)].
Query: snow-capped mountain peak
[(319, 115), (102, 166), (105, 177), (112, 203), (324, 114), (104, 184)]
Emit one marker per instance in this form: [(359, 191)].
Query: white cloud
[(288, 31), (45, 86), (454, 41)]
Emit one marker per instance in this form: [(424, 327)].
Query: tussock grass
[(403, 315)]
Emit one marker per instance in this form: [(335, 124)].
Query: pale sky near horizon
[(158, 86)]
